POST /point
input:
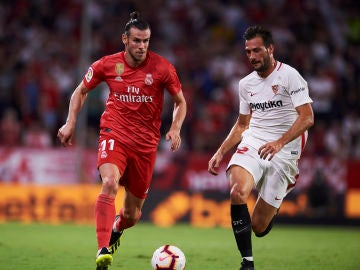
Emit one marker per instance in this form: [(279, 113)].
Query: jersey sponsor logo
[(266, 105), (149, 79), (251, 94), (132, 98), (133, 95), (89, 74), (293, 92)]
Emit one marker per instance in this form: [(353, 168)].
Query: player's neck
[(269, 70)]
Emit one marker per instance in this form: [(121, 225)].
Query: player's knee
[(238, 194), (109, 185)]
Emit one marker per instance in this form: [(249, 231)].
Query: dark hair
[(137, 22), (257, 30)]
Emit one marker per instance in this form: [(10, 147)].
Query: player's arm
[(179, 114), (233, 138), (303, 122), (78, 97)]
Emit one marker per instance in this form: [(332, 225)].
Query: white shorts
[(273, 179)]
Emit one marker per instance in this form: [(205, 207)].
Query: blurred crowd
[(40, 52)]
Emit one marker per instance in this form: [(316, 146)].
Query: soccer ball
[(168, 257)]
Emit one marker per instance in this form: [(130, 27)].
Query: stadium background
[(46, 47)]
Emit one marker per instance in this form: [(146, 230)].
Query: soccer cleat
[(103, 259), (115, 238), (247, 265)]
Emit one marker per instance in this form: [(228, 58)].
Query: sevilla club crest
[(275, 88)]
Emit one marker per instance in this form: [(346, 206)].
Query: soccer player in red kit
[(129, 129)]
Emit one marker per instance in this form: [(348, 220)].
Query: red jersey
[(135, 102)]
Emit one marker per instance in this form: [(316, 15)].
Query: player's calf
[(267, 229)]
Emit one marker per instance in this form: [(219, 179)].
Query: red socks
[(104, 219)]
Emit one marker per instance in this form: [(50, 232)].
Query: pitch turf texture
[(64, 247)]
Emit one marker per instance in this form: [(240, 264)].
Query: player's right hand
[(214, 163)]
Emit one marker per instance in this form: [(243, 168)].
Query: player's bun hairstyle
[(137, 22), (257, 30)]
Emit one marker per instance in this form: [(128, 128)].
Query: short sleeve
[(298, 89), (172, 82), (94, 74), (243, 105)]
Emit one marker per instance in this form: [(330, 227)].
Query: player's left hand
[(268, 150), (66, 134), (174, 137)]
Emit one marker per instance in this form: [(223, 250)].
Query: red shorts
[(136, 168)]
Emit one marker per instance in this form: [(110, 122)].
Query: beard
[(262, 68), (136, 56)]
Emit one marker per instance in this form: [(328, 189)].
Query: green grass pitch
[(64, 247)]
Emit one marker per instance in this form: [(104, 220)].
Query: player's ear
[(271, 49), (124, 38)]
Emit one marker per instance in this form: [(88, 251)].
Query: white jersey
[(271, 101)]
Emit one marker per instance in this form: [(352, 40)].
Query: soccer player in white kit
[(270, 133)]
